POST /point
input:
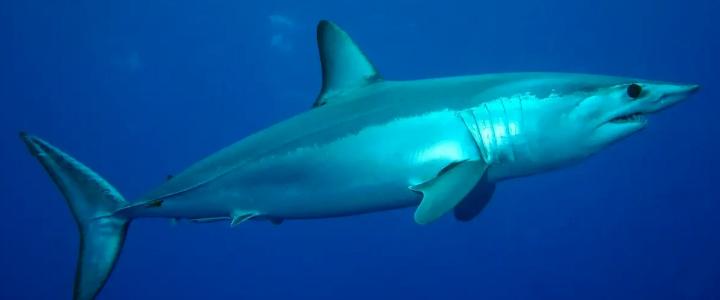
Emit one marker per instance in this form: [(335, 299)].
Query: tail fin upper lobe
[(92, 201)]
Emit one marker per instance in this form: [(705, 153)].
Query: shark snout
[(672, 94), (683, 90)]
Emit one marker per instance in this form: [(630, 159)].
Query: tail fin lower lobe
[(92, 201)]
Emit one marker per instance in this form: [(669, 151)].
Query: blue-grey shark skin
[(368, 145), (332, 160)]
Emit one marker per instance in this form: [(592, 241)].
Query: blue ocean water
[(141, 89)]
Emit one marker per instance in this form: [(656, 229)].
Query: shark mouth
[(634, 117)]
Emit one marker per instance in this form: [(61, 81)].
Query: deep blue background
[(139, 89)]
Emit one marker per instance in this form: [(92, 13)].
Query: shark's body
[(362, 154), (371, 145)]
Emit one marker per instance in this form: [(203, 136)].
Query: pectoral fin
[(444, 192), (474, 202)]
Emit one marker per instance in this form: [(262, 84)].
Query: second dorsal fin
[(344, 65)]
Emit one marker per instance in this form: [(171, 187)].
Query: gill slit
[(506, 124), (492, 141), (479, 143)]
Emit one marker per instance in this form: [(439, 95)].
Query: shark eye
[(634, 90)]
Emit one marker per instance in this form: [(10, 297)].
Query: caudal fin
[(92, 201)]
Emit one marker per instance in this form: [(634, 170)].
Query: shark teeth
[(628, 118)]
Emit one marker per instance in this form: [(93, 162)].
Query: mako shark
[(368, 145)]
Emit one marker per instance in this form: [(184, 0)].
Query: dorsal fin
[(344, 65)]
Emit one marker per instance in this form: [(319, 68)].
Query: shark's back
[(316, 126)]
